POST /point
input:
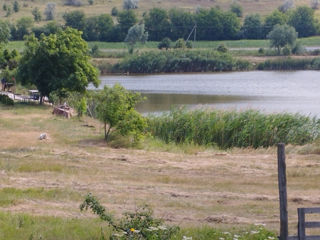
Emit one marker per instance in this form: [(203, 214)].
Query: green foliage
[(8, 11), (4, 32), (282, 35), (233, 129), (165, 43), (115, 108), (91, 2), (98, 28), (4, 99), (114, 11), (57, 62), (222, 48), (126, 20), (276, 17), (286, 6), (180, 61), (37, 17), (290, 64), (298, 48), (82, 107), (261, 51), (136, 34), (303, 20), (157, 24), (286, 51), (130, 4), (138, 225), (252, 27), (180, 43), (16, 6), (94, 50), (181, 24), (75, 19), (24, 26), (4, 7), (236, 9), (50, 11), (189, 44)]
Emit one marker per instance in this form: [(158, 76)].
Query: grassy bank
[(290, 64), (234, 129)]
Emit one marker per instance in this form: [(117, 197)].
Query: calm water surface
[(296, 91)]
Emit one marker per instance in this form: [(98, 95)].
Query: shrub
[(261, 51), (133, 225), (189, 44), (130, 4), (91, 2), (180, 43), (4, 99), (76, 3), (165, 43), (222, 48), (36, 14), (298, 48), (82, 107), (16, 6), (236, 9), (50, 11), (286, 51), (114, 11)]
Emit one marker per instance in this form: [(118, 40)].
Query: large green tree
[(252, 27), (75, 19), (181, 23), (157, 24), (58, 62), (276, 17), (303, 20)]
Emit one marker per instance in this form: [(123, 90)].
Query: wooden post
[(301, 224), (282, 182)]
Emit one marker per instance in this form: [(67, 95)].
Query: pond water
[(272, 91)]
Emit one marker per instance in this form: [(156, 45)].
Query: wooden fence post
[(282, 182), (301, 224)]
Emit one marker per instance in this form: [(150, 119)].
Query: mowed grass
[(187, 185), (118, 47)]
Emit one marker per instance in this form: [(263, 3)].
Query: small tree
[(165, 43), (130, 4), (115, 108), (136, 34), (36, 14), (114, 11), (50, 11), (180, 43), (236, 9), (287, 5), (282, 35), (314, 4), (16, 6)]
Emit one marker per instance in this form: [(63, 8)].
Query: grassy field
[(187, 185), (262, 7)]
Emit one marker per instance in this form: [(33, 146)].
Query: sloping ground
[(104, 6), (51, 177)]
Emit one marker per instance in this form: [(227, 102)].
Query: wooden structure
[(302, 224), (63, 110)]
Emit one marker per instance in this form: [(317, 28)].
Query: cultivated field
[(187, 185)]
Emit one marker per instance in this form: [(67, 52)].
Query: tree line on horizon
[(211, 24)]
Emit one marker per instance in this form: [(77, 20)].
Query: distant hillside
[(262, 7)]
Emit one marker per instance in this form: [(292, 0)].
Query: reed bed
[(227, 129)]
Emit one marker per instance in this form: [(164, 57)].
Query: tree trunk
[(41, 99), (106, 133)]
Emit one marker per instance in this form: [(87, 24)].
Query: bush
[(236, 9), (222, 48), (114, 11), (50, 11), (76, 3), (36, 14), (189, 44), (180, 61), (180, 43), (91, 2), (16, 6), (286, 51), (165, 43), (233, 129), (133, 225), (286, 64), (4, 99), (130, 4), (298, 48), (261, 51)]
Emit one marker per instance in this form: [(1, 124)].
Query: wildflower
[(270, 237), (162, 227), (152, 229), (186, 238), (236, 236), (226, 233), (254, 232), (132, 229)]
